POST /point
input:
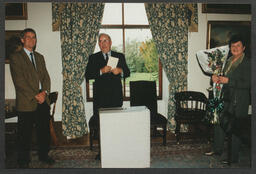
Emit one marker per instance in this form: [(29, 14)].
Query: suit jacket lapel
[(28, 61), (31, 68), (102, 58)]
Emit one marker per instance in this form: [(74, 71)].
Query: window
[(128, 27)]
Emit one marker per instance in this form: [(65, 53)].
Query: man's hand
[(106, 69), (117, 71), (40, 97)]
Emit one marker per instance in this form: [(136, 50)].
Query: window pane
[(112, 14), (135, 13), (141, 56), (116, 37)]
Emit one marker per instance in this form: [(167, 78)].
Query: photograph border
[(168, 170)]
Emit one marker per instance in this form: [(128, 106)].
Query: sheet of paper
[(112, 61)]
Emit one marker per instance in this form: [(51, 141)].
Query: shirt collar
[(27, 52), (109, 53)]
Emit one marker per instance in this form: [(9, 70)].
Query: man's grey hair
[(105, 34)]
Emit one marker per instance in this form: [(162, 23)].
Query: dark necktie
[(106, 57), (32, 59)]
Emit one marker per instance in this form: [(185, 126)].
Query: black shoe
[(23, 165), (47, 160)]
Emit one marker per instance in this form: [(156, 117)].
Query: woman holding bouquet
[(236, 82)]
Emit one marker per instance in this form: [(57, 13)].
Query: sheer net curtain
[(79, 25), (169, 24)]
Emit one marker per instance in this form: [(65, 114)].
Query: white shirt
[(28, 53)]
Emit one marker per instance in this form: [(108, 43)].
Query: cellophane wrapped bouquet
[(212, 61)]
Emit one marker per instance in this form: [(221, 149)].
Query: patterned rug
[(184, 155)]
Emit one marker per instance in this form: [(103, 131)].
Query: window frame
[(124, 27)]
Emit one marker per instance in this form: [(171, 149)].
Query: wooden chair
[(143, 93), (53, 96), (190, 109)]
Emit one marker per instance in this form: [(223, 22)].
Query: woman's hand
[(219, 79), (223, 79), (215, 78)]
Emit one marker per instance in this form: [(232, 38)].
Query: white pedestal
[(125, 137)]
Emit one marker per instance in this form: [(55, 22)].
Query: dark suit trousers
[(26, 121)]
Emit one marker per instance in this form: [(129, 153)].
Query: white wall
[(39, 18)]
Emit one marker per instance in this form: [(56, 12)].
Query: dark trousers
[(26, 120), (218, 143)]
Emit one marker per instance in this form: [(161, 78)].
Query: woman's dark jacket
[(237, 91)]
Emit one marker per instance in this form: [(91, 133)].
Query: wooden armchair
[(53, 96), (190, 109)]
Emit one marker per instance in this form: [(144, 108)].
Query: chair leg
[(177, 132), (154, 133), (164, 135)]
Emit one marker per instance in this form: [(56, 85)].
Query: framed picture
[(12, 43), (16, 11), (227, 8), (219, 33)]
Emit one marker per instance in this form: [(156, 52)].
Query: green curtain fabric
[(192, 17), (79, 25), (169, 24)]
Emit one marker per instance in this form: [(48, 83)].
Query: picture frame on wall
[(16, 11), (220, 32), (227, 8), (12, 43)]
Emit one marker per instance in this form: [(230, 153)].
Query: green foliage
[(141, 57), (117, 49), (133, 57), (148, 52)]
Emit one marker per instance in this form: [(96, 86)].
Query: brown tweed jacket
[(26, 79)]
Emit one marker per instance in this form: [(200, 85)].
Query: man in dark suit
[(108, 85), (32, 86), (107, 79)]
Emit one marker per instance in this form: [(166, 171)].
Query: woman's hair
[(236, 38)]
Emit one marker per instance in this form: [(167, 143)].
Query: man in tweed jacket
[(32, 86)]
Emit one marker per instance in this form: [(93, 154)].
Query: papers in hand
[(112, 61)]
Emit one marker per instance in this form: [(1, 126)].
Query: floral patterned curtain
[(79, 25), (169, 24)]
